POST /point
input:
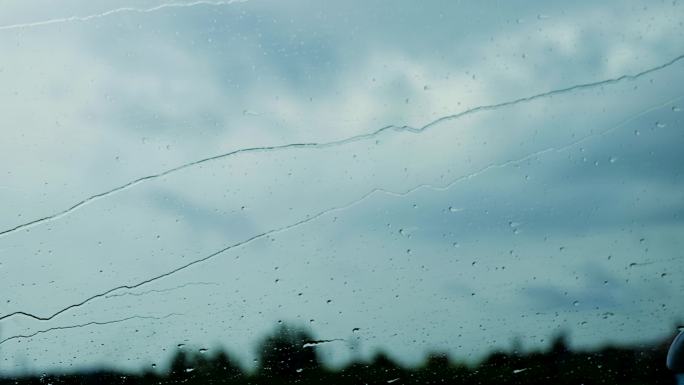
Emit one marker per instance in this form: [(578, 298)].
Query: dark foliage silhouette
[(288, 356), (285, 354)]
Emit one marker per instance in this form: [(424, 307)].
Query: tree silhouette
[(284, 354), (198, 368), (288, 356), (179, 362), (222, 366)]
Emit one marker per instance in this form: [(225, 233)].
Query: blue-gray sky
[(445, 175)]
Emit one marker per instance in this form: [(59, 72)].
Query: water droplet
[(575, 303), (203, 350), (607, 314), (637, 133), (612, 159), (676, 108), (660, 125), (188, 370)]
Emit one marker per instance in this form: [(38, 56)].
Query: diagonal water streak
[(99, 323), (346, 206), (162, 290), (338, 142), (117, 11)]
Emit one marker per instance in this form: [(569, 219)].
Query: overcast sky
[(441, 175)]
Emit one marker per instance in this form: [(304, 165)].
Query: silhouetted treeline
[(289, 356)]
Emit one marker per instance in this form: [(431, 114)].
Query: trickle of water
[(310, 344)]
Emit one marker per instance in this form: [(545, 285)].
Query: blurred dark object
[(289, 356), (285, 354), (675, 356)]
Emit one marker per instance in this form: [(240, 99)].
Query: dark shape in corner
[(675, 356)]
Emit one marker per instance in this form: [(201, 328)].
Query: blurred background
[(377, 180)]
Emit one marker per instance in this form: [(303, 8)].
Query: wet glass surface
[(387, 176)]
